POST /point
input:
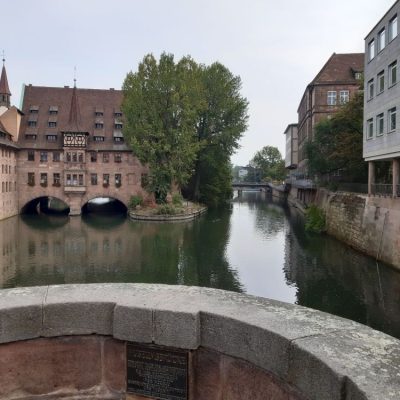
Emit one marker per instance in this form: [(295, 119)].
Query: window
[(98, 138), (118, 125), (344, 96), (380, 124), (98, 113), (51, 138), (106, 158), (30, 136), (52, 124), (68, 157), (93, 156), (331, 98), (117, 157), (93, 179), (43, 156), (381, 81), (392, 119), (370, 128), (371, 89), (358, 75), (393, 28), (31, 178), (118, 180), (118, 139), (56, 156), (80, 179), (80, 157), (33, 109), (371, 50), (106, 179), (56, 179), (74, 157), (118, 114), (98, 125), (32, 123), (53, 110), (393, 73), (43, 179), (381, 39), (31, 155)]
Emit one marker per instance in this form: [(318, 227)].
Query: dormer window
[(358, 75), (118, 114), (118, 125), (52, 124), (32, 124), (99, 125), (99, 112), (53, 110), (34, 109)]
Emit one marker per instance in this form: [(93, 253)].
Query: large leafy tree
[(220, 124), (184, 121), (161, 103), (269, 162), (338, 142)]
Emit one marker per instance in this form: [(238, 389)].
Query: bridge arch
[(88, 201), (45, 204)]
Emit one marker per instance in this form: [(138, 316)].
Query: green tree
[(161, 103), (270, 163), (338, 142), (220, 124)]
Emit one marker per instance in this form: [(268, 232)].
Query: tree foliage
[(270, 163), (184, 120), (337, 143)]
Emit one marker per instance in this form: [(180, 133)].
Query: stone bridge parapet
[(303, 353)]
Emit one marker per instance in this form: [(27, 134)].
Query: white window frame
[(380, 123), (380, 79), (393, 28), (370, 128), (391, 127), (344, 96), (331, 97), (371, 50), (392, 67), (381, 39)]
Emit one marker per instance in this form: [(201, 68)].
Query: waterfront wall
[(69, 341), (368, 224)]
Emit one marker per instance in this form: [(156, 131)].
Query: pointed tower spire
[(5, 93), (74, 113)]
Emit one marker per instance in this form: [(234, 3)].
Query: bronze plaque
[(157, 372)]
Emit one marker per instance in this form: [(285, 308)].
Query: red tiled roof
[(76, 112), (340, 68)]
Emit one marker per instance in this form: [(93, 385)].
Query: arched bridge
[(261, 186)]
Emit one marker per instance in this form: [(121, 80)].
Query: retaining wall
[(242, 347), (369, 224)]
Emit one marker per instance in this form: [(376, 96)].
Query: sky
[(276, 47)]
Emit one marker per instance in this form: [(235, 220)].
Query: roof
[(4, 89), (76, 110), (340, 67)]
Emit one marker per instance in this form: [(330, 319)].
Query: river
[(255, 246)]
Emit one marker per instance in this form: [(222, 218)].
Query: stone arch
[(87, 199), (33, 203)]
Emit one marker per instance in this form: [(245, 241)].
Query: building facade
[(291, 156), (72, 148), (382, 100), (10, 118), (334, 85)]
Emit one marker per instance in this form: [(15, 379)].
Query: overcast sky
[(276, 46)]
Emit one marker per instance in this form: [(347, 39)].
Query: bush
[(177, 199), (315, 220), (135, 201), (168, 209)]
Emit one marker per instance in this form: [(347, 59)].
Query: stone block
[(44, 366), (361, 363), (79, 310), (114, 365), (21, 313)]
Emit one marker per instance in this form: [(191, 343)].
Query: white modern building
[(382, 99)]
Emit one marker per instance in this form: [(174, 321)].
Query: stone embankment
[(368, 224), (149, 215), (70, 342)]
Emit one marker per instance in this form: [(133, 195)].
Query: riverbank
[(370, 225)]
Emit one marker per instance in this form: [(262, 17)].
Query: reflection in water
[(255, 246)]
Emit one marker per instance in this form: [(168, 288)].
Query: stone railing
[(243, 341)]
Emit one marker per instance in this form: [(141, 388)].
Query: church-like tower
[(5, 93)]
